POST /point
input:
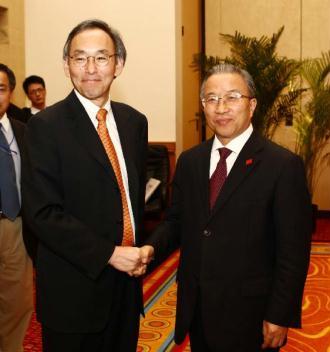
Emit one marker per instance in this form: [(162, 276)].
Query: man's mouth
[(223, 121)]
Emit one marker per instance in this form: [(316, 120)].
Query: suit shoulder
[(197, 150), (122, 107), (50, 115), (277, 151)]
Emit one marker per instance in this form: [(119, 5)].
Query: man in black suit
[(35, 89), (242, 212), (85, 209), (16, 302)]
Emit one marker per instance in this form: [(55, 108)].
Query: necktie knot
[(224, 153), (101, 115)]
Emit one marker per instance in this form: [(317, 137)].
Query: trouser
[(120, 333), (16, 286), (250, 341)]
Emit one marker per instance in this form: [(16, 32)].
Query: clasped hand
[(132, 260)]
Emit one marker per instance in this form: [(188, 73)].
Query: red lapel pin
[(248, 162)]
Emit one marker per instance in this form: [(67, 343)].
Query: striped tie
[(128, 239), (219, 176)]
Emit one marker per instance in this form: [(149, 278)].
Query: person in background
[(16, 299), (13, 110), (241, 211), (35, 89), (83, 192)]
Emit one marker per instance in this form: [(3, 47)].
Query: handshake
[(132, 260)]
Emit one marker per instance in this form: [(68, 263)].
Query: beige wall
[(307, 26), (306, 34), (12, 42), (148, 29)]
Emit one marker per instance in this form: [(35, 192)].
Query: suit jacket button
[(207, 233)]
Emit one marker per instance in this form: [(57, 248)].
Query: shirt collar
[(91, 108), (34, 110), (236, 144), (5, 122)]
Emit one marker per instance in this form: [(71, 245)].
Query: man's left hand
[(274, 335)]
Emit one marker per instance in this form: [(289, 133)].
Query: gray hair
[(229, 68), (120, 49)]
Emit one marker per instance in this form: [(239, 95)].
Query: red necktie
[(102, 130), (219, 176)]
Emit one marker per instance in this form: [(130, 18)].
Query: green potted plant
[(312, 124)]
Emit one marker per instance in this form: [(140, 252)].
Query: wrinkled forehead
[(95, 40), (225, 82)]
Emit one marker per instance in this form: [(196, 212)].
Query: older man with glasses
[(242, 214), (84, 196)]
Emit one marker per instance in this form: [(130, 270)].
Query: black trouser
[(198, 341), (120, 334)]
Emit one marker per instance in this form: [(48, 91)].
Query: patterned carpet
[(157, 328)]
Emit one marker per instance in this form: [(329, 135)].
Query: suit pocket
[(257, 287)]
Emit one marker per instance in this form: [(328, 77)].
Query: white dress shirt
[(34, 110), (235, 145), (11, 140), (92, 111)]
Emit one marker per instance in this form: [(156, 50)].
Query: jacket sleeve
[(293, 228)]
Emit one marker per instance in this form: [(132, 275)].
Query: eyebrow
[(228, 91), (101, 51)]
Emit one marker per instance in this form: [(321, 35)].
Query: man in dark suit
[(35, 89), (242, 212), (16, 303), (84, 185)]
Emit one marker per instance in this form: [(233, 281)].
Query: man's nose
[(222, 106), (91, 65)]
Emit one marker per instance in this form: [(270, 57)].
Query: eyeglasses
[(100, 60), (36, 91), (230, 99)]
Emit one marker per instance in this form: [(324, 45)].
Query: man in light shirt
[(84, 196), (16, 302), (242, 214)]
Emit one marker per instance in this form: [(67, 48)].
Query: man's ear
[(253, 105), (66, 67), (119, 67)]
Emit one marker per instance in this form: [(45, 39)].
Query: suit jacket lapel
[(84, 131), (18, 129), (204, 175), (247, 160)]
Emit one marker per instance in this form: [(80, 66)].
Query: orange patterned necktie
[(102, 130)]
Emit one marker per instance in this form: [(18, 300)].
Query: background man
[(13, 110), (35, 89), (16, 303), (245, 238), (84, 194)]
